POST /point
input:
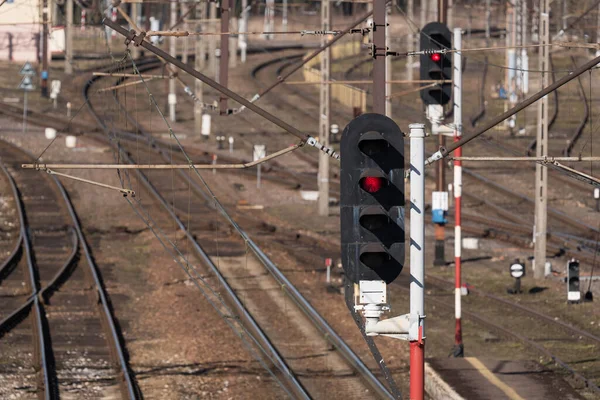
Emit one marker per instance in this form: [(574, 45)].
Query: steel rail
[(526, 309), (6, 324), (46, 292), (118, 344), (11, 259), (41, 349), (313, 315), (556, 213), (523, 339), (260, 339)]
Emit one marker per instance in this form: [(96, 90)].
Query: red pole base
[(417, 370)]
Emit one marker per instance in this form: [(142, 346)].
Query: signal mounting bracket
[(371, 299)]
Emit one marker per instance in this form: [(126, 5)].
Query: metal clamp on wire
[(252, 100), (130, 36), (137, 40), (329, 151), (362, 31)]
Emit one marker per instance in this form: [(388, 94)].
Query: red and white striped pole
[(457, 79), (113, 17), (83, 16)]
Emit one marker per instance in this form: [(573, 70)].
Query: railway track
[(509, 227), (74, 346), (499, 206), (556, 341), (247, 277)]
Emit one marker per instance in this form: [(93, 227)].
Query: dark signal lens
[(436, 57), (372, 184)]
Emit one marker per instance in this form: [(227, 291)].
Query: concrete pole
[(284, 16), (411, 40), (524, 55), (69, 38), (244, 28), (212, 42), (379, 62), (45, 53), (417, 261), (541, 172), (488, 15), (457, 81), (324, 113), (224, 61), (186, 43), (598, 30), (200, 65), (135, 12), (388, 65), (232, 40), (172, 99)]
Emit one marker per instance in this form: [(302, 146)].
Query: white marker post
[(231, 144), (258, 152), (328, 262)]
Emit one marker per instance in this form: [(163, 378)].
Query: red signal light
[(372, 184), (436, 57)]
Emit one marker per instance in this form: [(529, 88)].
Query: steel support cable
[(445, 151), (303, 304), (138, 39), (39, 314), (296, 390), (132, 390), (282, 79)]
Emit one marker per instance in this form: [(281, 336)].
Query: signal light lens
[(436, 57), (372, 184)]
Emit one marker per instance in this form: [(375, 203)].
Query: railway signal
[(573, 293), (436, 64), (372, 199), (517, 271)]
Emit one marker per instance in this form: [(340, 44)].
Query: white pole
[(244, 28), (172, 98), (417, 255), (284, 19), (388, 65), (258, 176), (25, 112)]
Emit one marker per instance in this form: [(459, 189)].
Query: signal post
[(436, 64), (372, 225)]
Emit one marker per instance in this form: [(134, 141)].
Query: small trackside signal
[(573, 291), (372, 199), (436, 64)]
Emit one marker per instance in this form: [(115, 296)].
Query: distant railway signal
[(372, 199), (573, 293), (436, 65), (517, 271)]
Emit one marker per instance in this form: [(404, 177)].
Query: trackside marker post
[(458, 350)]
